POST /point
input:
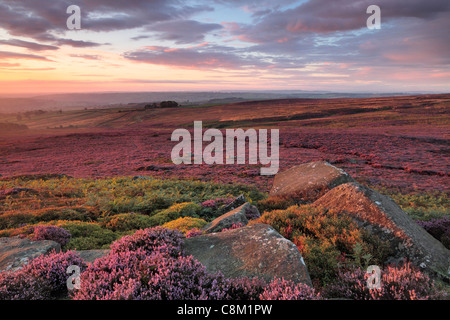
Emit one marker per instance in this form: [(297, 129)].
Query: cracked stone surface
[(255, 250), (16, 252), (308, 181)]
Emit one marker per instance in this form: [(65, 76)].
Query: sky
[(217, 45)]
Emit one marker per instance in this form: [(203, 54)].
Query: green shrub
[(126, 221), (15, 219), (185, 224), (97, 211), (90, 243), (421, 206), (87, 235), (275, 203), (323, 262), (147, 196), (186, 209), (179, 210), (20, 231), (324, 238)]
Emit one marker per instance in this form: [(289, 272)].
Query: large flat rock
[(255, 250), (89, 256), (308, 181), (382, 216), (16, 252), (234, 217)]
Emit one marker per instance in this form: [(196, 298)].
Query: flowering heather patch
[(252, 213), (149, 240), (214, 207), (20, 285), (43, 278), (396, 160), (438, 228), (397, 283), (149, 266), (397, 141), (138, 275), (194, 233), (52, 267), (234, 226), (57, 234), (216, 203), (281, 289)]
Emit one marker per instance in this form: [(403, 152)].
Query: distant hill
[(8, 127), (108, 99)]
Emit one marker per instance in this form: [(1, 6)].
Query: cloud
[(86, 56), (9, 65), (162, 81), (413, 33), (44, 19), (78, 43), (183, 31), (15, 55), (286, 39), (27, 44), (322, 16), (205, 57)]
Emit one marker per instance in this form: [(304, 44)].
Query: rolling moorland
[(74, 170)]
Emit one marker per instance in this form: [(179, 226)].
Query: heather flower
[(245, 288), (209, 204), (20, 285), (194, 233), (143, 275), (44, 232), (149, 240), (438, 228), (234, 226), (53, 268), (216, 203), (149, 266), (251, 213), (281, 289), (397, 283)]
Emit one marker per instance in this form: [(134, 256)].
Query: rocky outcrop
[(238, 216), (16, 252), (308, 181), (255, 250), (382, 216), (90, 256), (237, 202)]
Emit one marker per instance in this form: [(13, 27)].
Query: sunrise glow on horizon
[(197, 45)]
